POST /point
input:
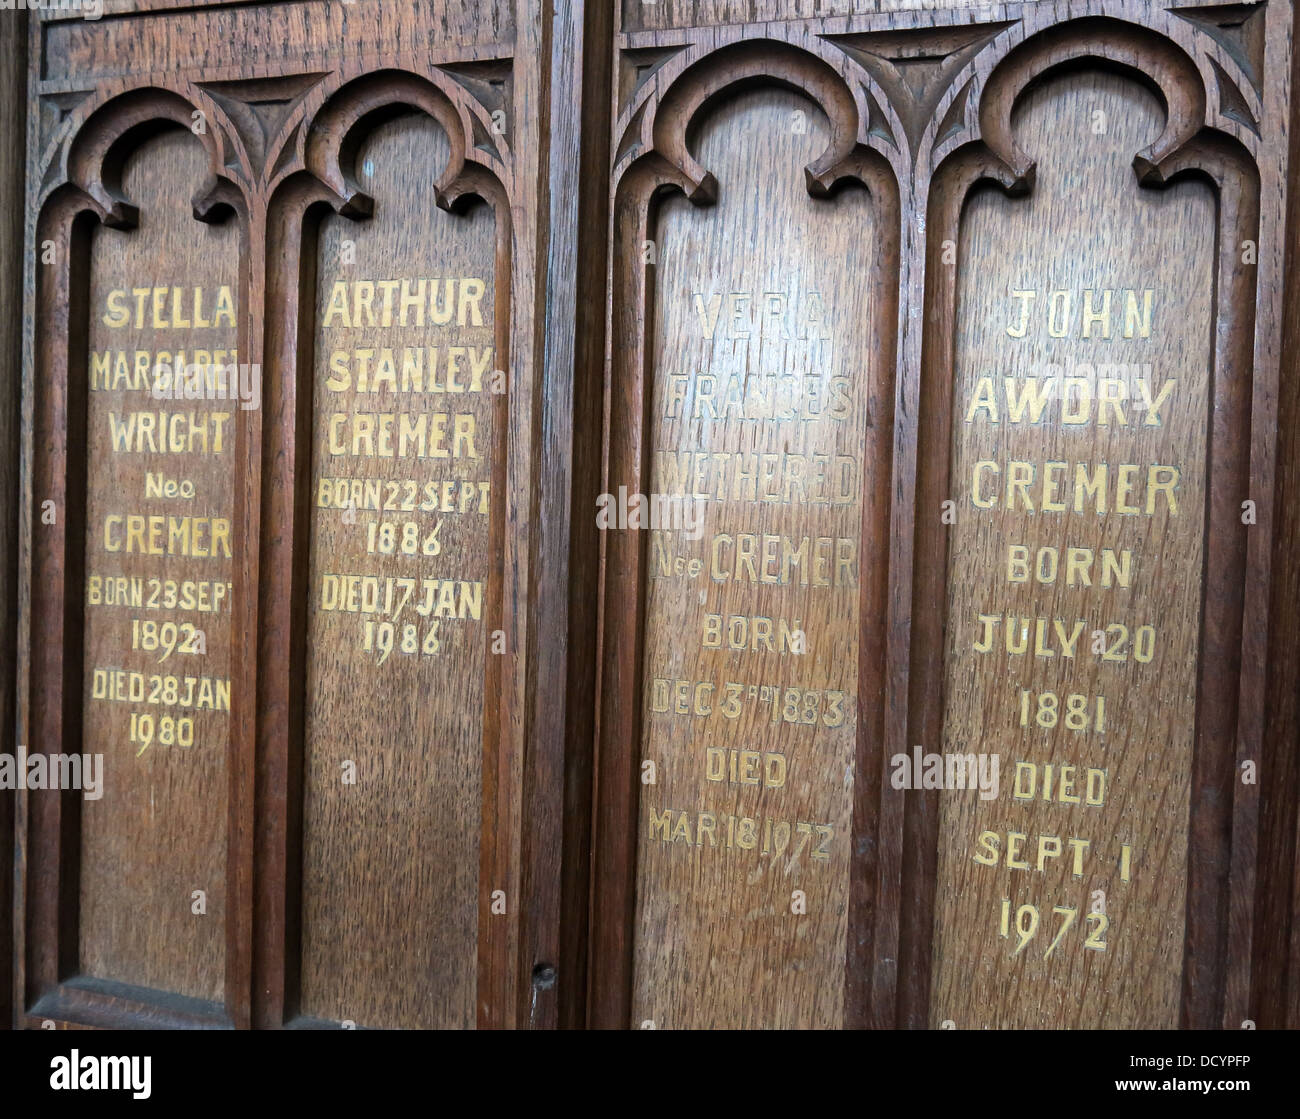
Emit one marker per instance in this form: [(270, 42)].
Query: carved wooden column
[(13, 125)]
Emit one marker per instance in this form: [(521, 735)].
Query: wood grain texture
[(582, 55), (242, 36), (275, 126), (661, 412), (1087, 226), (661, 15), (158, 832), (1277, 929), (717, 943), (944, 95), (403, 954), (1222, 834), (13, 127), (617, 124), (455, 425)]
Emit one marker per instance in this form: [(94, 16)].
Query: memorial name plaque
[(1090, 596), (764, 435), (1080, 411), (752, 612), (403, 587), (163, 397)]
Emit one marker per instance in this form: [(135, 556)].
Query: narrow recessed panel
[(163, 400), (1081, 406), (404, 483), (758, 438)]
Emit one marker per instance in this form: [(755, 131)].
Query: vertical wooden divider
[(13, 126)]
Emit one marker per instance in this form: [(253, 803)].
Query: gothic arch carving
[(87, 189), (1196, 140), (316, 174), (654, 159), (1169, 55)]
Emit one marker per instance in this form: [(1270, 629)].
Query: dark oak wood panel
[(1073, 353), (158, 578), (404, 594), (936, 94), (725, 927), (1214, 985), (763, 251), (294, 112), (1276, 928), (662, 15), (759, 398), (83, 858), (163, 38)]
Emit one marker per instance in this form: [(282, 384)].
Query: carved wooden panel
[(1059, 706), (294, 619), (1124, 468), (741, 657), (403, 589), (749, 514), (1080, 414), (137, 411), (753, 612), (159, 448)]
